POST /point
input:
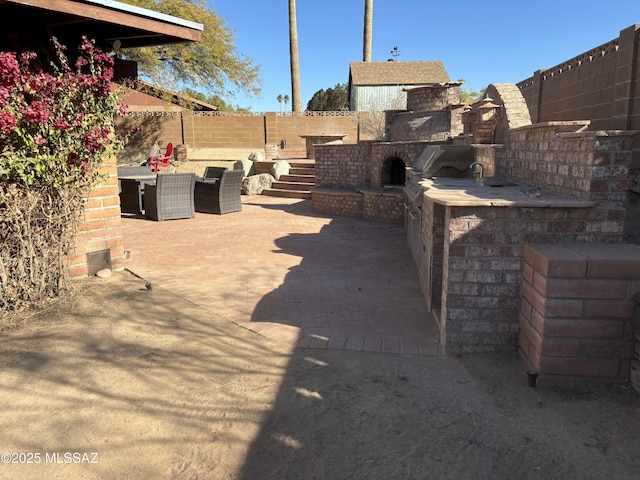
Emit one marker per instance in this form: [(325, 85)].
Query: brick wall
[(343, 166), (481, 271), (422, 126), (433, 97), (586, 164), (101, 228), (408, 152), (385, 207), (345, 203), (576, 314)]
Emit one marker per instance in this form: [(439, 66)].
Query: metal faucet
[(481, 168)]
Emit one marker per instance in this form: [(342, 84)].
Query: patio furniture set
[(179, 195)]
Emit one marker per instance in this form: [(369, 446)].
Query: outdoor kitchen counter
[(466, 192)]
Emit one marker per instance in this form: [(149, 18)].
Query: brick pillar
[(577, 309), (624, 78), (101, 228)]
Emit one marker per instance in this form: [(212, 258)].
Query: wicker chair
[(213, 172), (134, 172), (131, 196), (222, 196), (171, 197)]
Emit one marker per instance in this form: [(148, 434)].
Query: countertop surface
[(461, 192)]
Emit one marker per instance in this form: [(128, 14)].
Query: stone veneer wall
[(101, 228), (576, 317)]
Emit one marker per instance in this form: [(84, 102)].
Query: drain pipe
[(533, 377)]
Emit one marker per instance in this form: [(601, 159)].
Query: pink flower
[(93, 140), (123, 109), (81, 62), (42, 84), (8, 122), (87, 45), (85, 167), (5, 93), (37, 112), (39, 140), (62, 124), (9, 68)]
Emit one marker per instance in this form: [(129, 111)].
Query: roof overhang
[(103, 20)]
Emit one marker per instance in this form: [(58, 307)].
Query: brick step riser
[(303, 170), (293, 186), (298, 178), (274, 192), (302, 165)]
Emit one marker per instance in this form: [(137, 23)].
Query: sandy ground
[(134, 383)]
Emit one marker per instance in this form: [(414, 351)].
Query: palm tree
[(279, 98), (296, 103), (286, 100), (368, 30)]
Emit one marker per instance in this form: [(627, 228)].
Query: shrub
[(56, 127)]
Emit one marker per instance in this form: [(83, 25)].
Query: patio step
[(284, 185), (302, 171), (297, 184), (281, 192), (298, 178)]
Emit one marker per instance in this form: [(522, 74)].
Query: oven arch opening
[(393, 172)]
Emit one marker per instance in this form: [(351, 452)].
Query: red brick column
[(577, 308), (101, 228)]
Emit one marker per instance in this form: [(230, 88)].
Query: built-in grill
[(435, 161)]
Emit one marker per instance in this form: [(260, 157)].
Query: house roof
[(168, 96), (397, 73), (23, 22)]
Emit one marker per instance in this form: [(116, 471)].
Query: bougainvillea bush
[(56, 127)]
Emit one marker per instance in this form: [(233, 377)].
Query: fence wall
[(207, 134), (600, 85)]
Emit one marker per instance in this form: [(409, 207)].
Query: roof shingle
[(398, 73)]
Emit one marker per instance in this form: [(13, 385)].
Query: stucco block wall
[(601, 85), (576, 316), (204, 133)]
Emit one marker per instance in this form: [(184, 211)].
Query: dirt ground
[(128, 382)]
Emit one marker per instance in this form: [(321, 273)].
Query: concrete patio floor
[(289, 274)]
